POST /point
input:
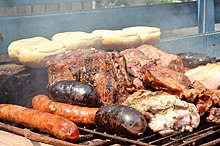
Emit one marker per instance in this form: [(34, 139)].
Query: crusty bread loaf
[(78, 40), (118, 39), (148, 35), (32, 51)]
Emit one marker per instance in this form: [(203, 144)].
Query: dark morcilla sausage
[(74, 92), (120, 119)]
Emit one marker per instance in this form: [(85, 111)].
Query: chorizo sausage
[(46, 122), (74, 92), (77, 114), (120, 119)]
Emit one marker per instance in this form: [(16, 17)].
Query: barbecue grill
[(202, 14)]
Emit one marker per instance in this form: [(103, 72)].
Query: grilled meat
[(207, 99), (144, 53), (214, 115), (116, 75), (166, 113), (178, 84), (105, 71), (58, 65), (208, 75), (163, 59)]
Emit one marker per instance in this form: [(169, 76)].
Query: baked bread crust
[(148, 35), (32, 51), (78, 40), (118, 39)]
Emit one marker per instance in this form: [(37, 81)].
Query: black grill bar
[(115, 137), (200, 137), (191, 137), (212, 143), (206, 131)]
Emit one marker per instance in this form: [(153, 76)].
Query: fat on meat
[(165, 113), (208, 75)]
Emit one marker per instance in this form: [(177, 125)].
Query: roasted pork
[(214, 115), (105, 71), (208, 75), (165, 113)]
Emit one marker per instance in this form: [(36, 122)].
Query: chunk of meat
[(163, 59), (208, 75), (166, 113), (214, 115), (106, 72), (168, 80)]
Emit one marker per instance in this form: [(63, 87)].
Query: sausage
[(74, 92), (77, 114), (193, 60), (120, 119), (46, 122)]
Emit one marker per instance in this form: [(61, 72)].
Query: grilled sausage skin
[(74, 92), (77, 114), (52, 124), (120, 119)]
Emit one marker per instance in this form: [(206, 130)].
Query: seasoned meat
[(214, 115), (161, 58), (208, 75), (58, 65), (106, 72), (162, 78), (116, 75), (206, 100), (166, 113)]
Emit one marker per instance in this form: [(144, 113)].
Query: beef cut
[(166, 113), (116, 75), (161, 58), (105, 71), (178, 84), (214, 115)]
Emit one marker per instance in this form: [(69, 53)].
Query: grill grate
[(206, 134)]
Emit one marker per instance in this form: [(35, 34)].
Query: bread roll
[(118, 39), (32, 51), (78, 40), (148, 35), (14, 47)]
